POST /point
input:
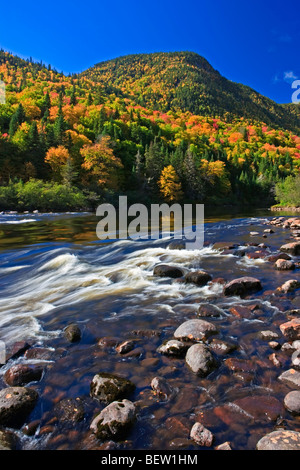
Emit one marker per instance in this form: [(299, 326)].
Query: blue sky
[(255, 43)]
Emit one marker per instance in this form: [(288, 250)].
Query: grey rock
[(173, 347), (16, 403), (72, 333), (195, 330), (114, 420), (108, 387), (292, 402), (201, 435), (290, 377), (200, 360)]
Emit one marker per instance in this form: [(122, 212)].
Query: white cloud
[(289, 76)]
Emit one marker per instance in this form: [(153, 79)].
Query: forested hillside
[(155, 127)]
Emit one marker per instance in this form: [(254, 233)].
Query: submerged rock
[(161, 387), (209, 310), (242, 286), (195, 330), (70, 410), (72, 333), (16, 403), (108, 387), (114, 420), (200, 360), (164, 270), (280, 440)]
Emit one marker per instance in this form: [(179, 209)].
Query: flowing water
[(54, 271)]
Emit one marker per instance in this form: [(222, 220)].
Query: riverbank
[(284, 209)]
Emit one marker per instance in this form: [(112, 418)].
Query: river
[(54, 271)]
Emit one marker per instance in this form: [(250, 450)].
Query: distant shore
[(285, 209)]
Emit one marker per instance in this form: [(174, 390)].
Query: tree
[(101, 163), (57, 158), (169, 184)]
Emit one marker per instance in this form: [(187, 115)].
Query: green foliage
[(288, 191)]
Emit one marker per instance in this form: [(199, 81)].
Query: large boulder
[(280, 440), (242, 286), (291, 248), (164, 270), (200, 360), (115, 420), (195, 330), (16, 403), (108, 387)]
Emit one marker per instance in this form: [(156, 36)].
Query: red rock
[(240, 311), (261, 408), (291, 329)]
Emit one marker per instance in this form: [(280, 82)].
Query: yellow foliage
[(169, 184)]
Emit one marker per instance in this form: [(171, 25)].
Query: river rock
[(222, 347), (280, 440), (209, 310), (125, 347), (39, 353), (173, 347), (16, 403), (22, 374), (284, 265), (261, 408), (177, 245), (108, 387), (164, 270), (200, 360), (70, 410), (201, 278), (274, 258), (268, 335), (292, 402), (8, 440), (201, 435), (296, 359), (291, 248), (18, 349), (291, 329), (195, 330), (114, 420), (161, 387), (72, 333), (242, 286), (289, 286), (225, 446), (290, 377)]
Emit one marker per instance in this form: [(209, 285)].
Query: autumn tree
[(57, 158), (169, 184), (101, 164)]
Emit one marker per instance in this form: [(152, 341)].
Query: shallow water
[(54, 271)]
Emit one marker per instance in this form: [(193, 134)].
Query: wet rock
[(16, 403), (280, 440), (107, 342), (146, 333), (258, 254), (18, 349), (201, 435), (289, 286), (8, 440), (195, 330), (291, 329), (115, 420), (72, 333), (39, 353), (22, 374), (268, 335), (224, 446), (290, 377), (177, 245), (296, 359), (125, 347), (260, 408), (296, 344), (209, 310), (200, 360), (268, 230), (274, 345), (178, 426), (274, 258), (31, 428), (239, 365), (108, 387), (225, 246), (164, 270), (200, 278), (241, 311), (70, 410), (242, 286), (222, 347), (161, 387), (292, 402), (291, 248), (174, 348), (284, 265)]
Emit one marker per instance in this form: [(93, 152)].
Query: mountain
[(185, 81)]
